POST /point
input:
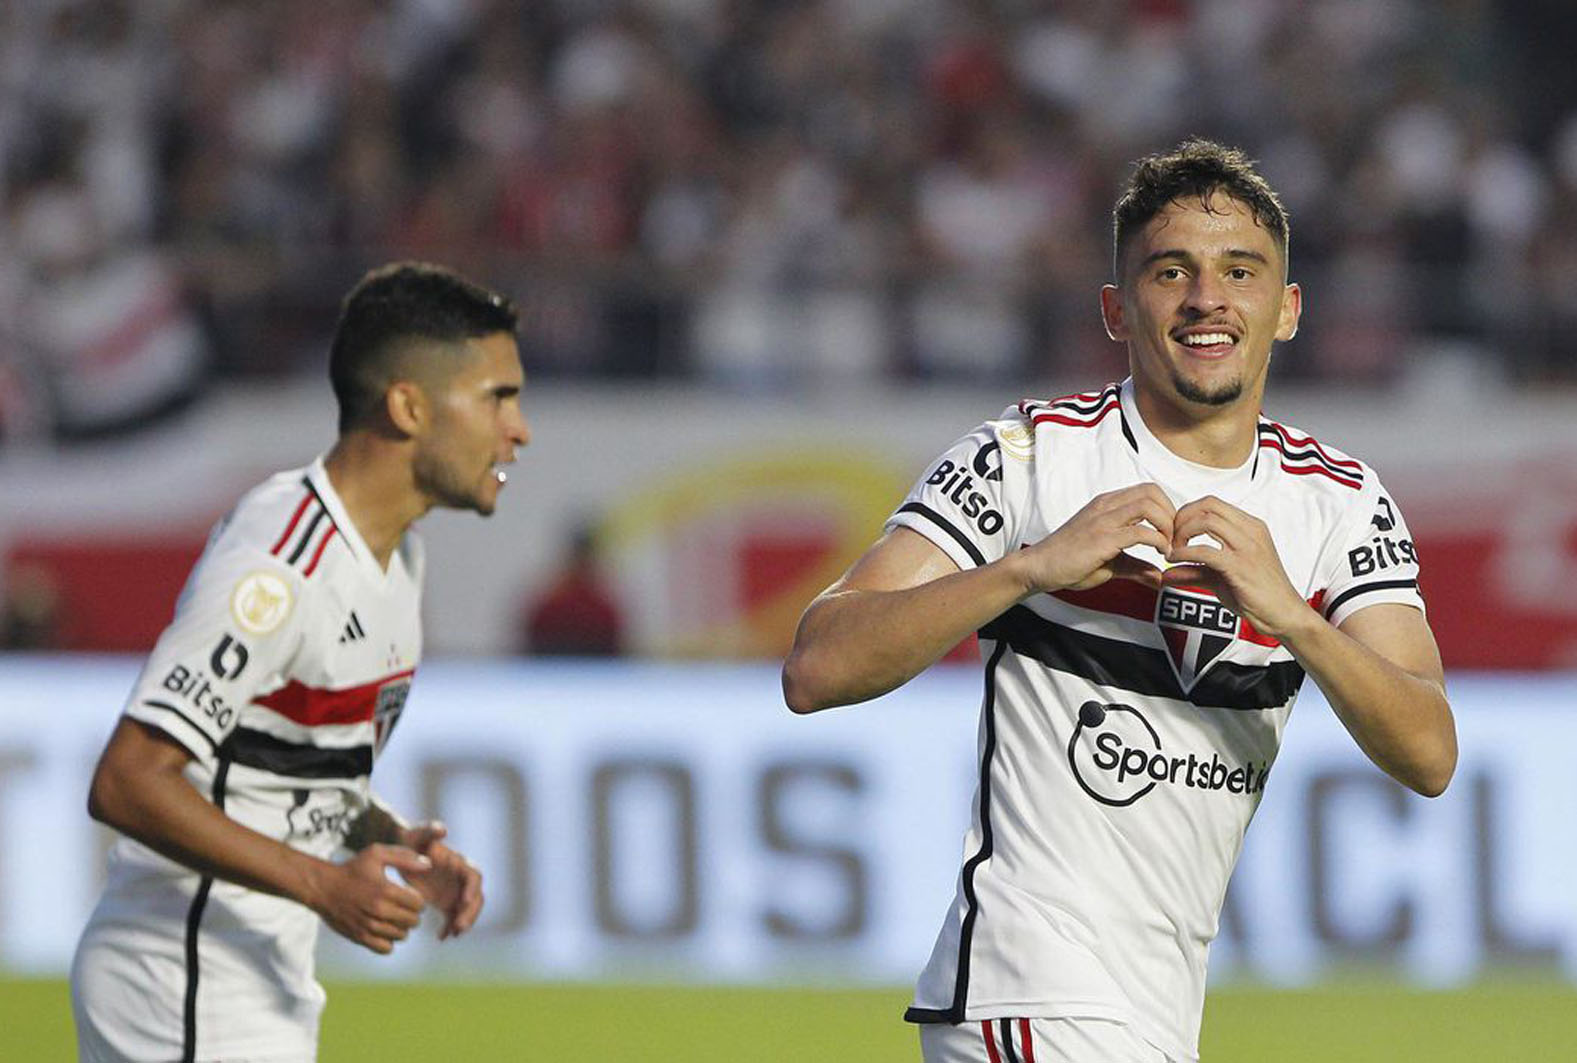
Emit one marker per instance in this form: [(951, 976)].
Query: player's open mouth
[(1209, 344)]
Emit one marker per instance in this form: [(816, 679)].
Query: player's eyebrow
[(1177, 254)]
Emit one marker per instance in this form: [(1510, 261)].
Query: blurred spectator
[(576, 614), (30, 610), (766, 194)]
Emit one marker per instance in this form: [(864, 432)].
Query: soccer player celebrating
[(240, 769), (1152, 569)]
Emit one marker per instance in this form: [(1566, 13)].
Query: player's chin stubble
[(1227, 393)]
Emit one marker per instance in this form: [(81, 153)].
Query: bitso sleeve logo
[(261, 602)]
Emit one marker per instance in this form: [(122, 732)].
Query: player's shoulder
[(1068, 414), (275, 524), (1315, 464)]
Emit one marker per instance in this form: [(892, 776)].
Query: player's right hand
[(360, 902), (1088, 549)]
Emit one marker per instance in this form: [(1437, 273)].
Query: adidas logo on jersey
[(353, 632)]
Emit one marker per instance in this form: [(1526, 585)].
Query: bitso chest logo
[(1197, 629)]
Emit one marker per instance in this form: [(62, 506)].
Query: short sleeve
[(237, 626), (1378, 563), (969, 498)]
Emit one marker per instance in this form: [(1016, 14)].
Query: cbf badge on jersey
[(261, 602), (1197, 629)]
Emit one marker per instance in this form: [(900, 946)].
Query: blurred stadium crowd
[(758, 193)]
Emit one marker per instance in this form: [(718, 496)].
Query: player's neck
[(377, 492), (1221, 436)]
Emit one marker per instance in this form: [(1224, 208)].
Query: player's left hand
[(1245, 571), (453, 884)]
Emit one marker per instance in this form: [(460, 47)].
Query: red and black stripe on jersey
[(1142, 670), (1084, 410), (311, 707), (1303, 456), (307, 534)]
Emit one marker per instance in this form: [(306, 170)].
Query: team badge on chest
[(1197, 629)]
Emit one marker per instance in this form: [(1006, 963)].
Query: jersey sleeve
[(1377, 562), (969, 500), (237, 626)]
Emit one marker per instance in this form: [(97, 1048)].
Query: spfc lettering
[(1197, 629)]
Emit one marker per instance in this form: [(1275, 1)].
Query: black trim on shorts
[(1005, 1033), (194, 918), (260, 750), (1142, 669), (955, 1013), (942, 522), (1381, 585)]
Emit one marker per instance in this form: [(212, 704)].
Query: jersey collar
[(1183, 480), (317, 478)]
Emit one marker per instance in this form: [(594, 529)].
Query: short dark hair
[(1196, 167), (392, 305)]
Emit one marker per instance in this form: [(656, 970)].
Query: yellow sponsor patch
[(261, 602)]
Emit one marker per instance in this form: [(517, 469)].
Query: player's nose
[(517, 431)]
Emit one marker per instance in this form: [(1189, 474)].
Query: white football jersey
[(283, 672), (1126, 735)]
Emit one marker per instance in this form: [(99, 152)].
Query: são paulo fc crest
[(386, 713), (1197, 629)]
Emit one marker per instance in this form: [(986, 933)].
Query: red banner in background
[(1498, 546)]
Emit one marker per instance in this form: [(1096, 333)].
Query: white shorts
[(136, 997), (1037, 1041)]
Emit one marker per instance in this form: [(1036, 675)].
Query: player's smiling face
[(1202, 297), (476, 427)]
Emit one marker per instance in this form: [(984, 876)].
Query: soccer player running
[(1152, 569), (239, 773)]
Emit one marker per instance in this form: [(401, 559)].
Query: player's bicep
[(900, 559), (135, 759), (1401, 635)]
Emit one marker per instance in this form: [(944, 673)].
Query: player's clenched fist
[(360, 903), (1088, 549)]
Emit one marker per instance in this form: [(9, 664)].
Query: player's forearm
[(853, 645), (163, 811), (1401, 721)]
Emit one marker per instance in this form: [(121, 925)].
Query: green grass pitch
[(450, 1022)]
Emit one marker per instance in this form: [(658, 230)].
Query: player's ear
[(406, 404), (1112, 312), (1291, 311)]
